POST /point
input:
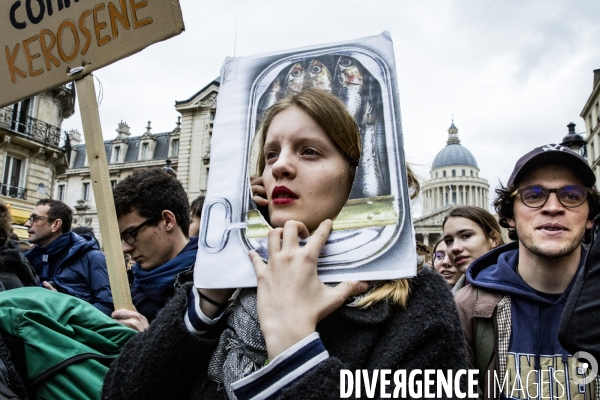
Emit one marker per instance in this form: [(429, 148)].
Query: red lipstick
[(282, 195)]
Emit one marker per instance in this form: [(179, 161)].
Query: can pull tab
[(217, 225)]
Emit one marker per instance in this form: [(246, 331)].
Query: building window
[(113, 183), (145, 151), (436, 174), (174, 147), (464, 173), (117, 154), (85, 193), (61, 193), (453, 172), (444, 174), (13, 178), (212, 115)]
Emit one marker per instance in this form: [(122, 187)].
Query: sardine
[(269, 98), (370, 164), (319, 75), (294, 80), (348, 84)]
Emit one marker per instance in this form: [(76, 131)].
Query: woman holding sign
[(294, 336)]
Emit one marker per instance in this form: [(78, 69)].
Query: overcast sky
[(513, 73)]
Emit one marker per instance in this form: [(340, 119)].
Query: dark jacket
[(580, 324), (166, 361), (528, 319), (151, 290), (15, 270), (77, 267)]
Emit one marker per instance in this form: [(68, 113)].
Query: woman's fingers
[(259, 194), (274, 241), (319, 237)]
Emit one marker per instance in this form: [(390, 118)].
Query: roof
[(161, 151), (454, 154), (217, 81)]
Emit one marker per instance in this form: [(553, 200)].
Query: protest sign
[(43, 40), (47, 43), (372, 237)]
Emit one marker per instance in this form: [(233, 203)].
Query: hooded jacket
[(151, 290), (525, 323), (77, 267)]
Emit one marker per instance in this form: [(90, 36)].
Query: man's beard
[(553, 254)]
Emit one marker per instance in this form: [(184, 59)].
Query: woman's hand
[(291, 297), (131, 319), (259, 194), (220, 296)]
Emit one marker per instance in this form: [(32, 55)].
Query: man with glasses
[(511, 310), (65, 261), (153, 214)]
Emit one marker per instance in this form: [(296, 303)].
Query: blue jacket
[(77, 267), (152, 289)]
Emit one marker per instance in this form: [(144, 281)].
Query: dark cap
[(553, 154)]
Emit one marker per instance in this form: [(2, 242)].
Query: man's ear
[(170, 221), (56, 225), (511, 222), (589, 224)]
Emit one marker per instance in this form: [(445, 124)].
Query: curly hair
[(504, 206), (150, 192), (58, 210)]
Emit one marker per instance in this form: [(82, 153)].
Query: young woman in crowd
[(291, 336), (469, 233), (443, 266)]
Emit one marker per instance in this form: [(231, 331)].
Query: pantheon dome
[(454, 181)]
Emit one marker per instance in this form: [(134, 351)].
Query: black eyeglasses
[(129, 236), (33, 217), (569, 196), (439, 255)]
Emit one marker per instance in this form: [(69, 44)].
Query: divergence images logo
[(584, 371)]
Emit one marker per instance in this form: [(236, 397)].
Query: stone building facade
[(454, 180), (186, 148), (591, 116), (32, 150)]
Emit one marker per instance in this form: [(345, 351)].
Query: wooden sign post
[(47, 43), (105, 205)]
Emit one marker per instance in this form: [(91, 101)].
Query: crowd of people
[(482, 305)]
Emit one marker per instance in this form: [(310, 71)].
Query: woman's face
[(443, 266), (465, 241), (306, 177)]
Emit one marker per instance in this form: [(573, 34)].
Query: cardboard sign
[(372, 237), (42, 40)]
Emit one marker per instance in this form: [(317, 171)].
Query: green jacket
[(68, 343)]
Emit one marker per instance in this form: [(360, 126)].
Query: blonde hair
[(394, 292)]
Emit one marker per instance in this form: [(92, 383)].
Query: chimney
[(75, 137), (596, 76), (123, 131)]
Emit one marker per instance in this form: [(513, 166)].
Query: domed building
[(454, 181)]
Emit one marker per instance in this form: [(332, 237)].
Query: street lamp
[(574, 141)]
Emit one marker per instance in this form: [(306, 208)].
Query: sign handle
[(105, 205)]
